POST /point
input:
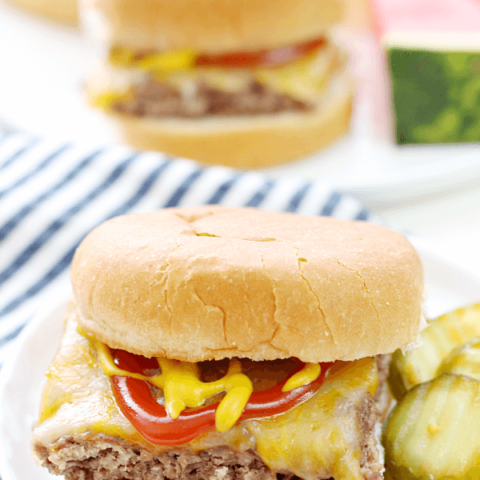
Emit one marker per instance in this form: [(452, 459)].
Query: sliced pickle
[(439, 339), (387, 476), (434, 431), (463, 360)]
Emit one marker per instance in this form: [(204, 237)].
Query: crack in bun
[(209, 283)]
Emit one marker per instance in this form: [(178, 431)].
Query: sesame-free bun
[(212, 282), (65, 11), (210, 26), (244, 141)]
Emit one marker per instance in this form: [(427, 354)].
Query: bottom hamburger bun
[(245, 141), (65, 11)]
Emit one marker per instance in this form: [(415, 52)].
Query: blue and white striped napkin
[(52, 194)]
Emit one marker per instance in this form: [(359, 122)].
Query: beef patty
[(108, 458), (154, 99)]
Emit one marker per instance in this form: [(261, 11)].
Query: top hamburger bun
[(213, 282), (212, 26), (65, 11)]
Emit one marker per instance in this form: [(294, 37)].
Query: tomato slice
[(152, 421), (267, 58)]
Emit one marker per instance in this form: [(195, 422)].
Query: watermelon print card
[(432, 52)]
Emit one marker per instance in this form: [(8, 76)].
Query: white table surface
[(450, 222)]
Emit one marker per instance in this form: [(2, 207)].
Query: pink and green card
[(433, 54)]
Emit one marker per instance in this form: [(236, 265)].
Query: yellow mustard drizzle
[(159, 61), (105, 99), (308, 374), (182, 387)]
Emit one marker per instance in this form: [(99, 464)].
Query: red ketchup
[(260, 58), (152, 421)]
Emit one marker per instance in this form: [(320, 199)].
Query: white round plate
[(43, 65), (22, 377)]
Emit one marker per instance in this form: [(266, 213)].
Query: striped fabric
[(52, 194)]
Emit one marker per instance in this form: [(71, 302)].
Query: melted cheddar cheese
[(319, 437)]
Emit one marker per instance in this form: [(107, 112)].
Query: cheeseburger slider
[(244, 83), (221, 343)]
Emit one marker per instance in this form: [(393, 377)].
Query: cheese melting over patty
[(321, 437)]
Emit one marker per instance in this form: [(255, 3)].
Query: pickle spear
[(434, 431), (463, 360), (440, 337)]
